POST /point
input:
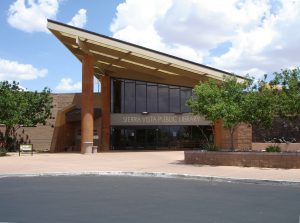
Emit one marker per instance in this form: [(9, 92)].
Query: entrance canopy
[(74, 115), (121, 59)]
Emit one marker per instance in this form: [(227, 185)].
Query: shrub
[(209, 146), (3, 152), (273, 149)]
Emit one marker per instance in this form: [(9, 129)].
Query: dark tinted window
[(151, 98), (185, 94), (117, 95), (112, 96), (140, 97), (140, 137), (129, 96), (163, 136), (175, 132), (174, 99), (163, 98)]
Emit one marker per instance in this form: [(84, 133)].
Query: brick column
[(87, 105), (218, 134), (105, 118), (242, 137)]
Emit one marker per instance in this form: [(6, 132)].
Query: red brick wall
[(242, 137), (246, 159)]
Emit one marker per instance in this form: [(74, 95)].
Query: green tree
[(21, 108), (259, 104), (288, 82), (233, 102)]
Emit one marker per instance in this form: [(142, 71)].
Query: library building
[(142, 103)]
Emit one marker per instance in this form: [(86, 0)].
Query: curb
[(211, 179)]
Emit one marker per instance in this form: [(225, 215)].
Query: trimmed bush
[(3, 152), (273, 149)]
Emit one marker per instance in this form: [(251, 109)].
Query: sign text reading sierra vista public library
[(157, 119)]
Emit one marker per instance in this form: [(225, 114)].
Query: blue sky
[(44, 51), (244, 37)]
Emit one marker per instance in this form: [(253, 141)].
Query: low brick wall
[(285, 147), (245, 159)]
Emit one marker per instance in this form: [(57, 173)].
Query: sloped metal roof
[(127, 60)]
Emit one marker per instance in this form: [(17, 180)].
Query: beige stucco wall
[(56, 134)]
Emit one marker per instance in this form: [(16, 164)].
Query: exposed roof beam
[(119, 59), (136, 72), (158, 74), (129, 74), (117, 70), (136, 68), (132, 57), (82, 46)]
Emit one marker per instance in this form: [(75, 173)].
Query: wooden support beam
[(87, 105), (105, 106)]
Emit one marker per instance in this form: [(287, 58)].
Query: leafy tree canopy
[(289, 96), (19, 107), (233, 102)]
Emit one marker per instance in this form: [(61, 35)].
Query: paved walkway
[(140, 162)]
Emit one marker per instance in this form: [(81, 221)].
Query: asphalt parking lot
[(143, 199)]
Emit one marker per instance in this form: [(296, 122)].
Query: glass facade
[(129, 96), (151, 137)]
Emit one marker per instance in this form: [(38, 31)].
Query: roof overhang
[(122, 59), (74, 114)]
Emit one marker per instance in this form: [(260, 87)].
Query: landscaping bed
[(285, 160)]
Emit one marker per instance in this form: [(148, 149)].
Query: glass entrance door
[(151, 137), (140, 138), (159, 137)]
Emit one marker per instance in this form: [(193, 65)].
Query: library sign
[(157, 119)]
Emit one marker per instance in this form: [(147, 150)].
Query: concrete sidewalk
[(138, 162)]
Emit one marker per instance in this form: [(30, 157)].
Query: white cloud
[(13, 70), (263, 34), (269, 46), (79, 20), (66, 84), (31, 15), (136, 22), (23, 88)]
